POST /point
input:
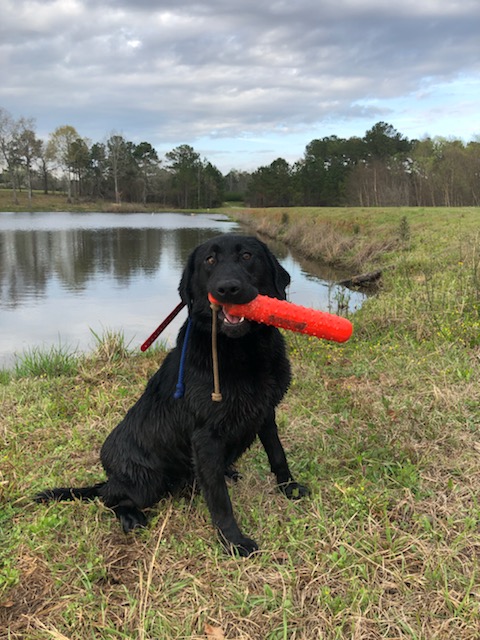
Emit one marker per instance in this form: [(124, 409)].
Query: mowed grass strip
[(384, 429)]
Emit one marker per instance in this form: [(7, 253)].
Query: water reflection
[(62, 274), (134, 245)]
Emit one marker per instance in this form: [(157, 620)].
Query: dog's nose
[(227, 290)]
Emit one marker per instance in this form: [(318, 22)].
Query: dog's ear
[(280, 276), (185, 288)]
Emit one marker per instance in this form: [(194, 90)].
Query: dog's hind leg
[(130, 517), (232, 473), (127, 511)]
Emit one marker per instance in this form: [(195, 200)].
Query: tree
[(453, 172), (44, 170), (323, 172), (213, 186), (61, 151), (185, 168), (271, 186), (445, 172), (79, 163), (147, 162), (381, 175), (8, 148), (383, 141), (236, 184), (422, 172), (29, 149), (98, 167), (473, 156), (119, 158)]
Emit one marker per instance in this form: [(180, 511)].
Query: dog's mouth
[(232, 326), (228, 319)]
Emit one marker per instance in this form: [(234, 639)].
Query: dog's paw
[(294, 490), (245, 547), (131, 518), (233, 474), (240, 546)]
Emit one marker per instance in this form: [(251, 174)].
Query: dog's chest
[(256, 371), (243, 390), (254, 374)]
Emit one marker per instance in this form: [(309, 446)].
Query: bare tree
[(117, 156), (59, 150), (8, 148), (29, 149)]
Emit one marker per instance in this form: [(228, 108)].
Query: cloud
[(182, 72)]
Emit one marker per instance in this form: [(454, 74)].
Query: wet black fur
[(164, 444)]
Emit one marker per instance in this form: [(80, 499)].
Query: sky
[(242, 81)]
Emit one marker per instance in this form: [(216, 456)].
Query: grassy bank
[(384, 429), (358, 238), (56, 202)]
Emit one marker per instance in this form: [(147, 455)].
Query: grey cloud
[(224, 68)]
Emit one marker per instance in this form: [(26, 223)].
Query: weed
[(37, 362), (404, 231), (339, 301), (110, 346)]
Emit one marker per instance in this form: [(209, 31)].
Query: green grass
[(385, 430), (38, 362)]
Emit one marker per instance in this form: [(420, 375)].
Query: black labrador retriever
[(166, 443)]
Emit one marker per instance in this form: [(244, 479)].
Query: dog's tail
[(70, 493)]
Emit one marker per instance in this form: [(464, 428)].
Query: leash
[(149, 341), (180, 387), (216, 395)]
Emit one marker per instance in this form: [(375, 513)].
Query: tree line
[(116, 169), (383, 168)]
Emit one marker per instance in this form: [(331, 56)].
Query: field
[(385, 430), (58, 202)]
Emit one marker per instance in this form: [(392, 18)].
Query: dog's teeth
[(234, 321), (229, 319)]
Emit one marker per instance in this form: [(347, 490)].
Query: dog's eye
[(211, 260), (246, 255)]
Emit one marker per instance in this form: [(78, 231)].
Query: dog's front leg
[(208, 458), (268, 435)]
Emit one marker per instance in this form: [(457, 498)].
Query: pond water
[(66, 275)]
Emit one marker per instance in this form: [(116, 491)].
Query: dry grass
[(361, 239), (58, 202), (337, 237)]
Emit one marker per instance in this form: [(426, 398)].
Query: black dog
[(167, 443)]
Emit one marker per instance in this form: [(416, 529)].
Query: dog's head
[(233, 269)]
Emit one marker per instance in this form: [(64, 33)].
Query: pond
[(65, 276)]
